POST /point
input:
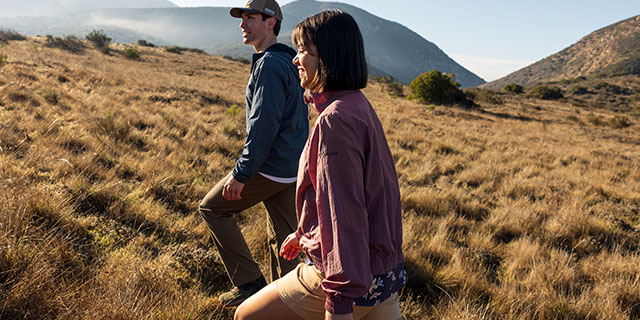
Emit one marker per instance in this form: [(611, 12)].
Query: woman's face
[(307, 62)]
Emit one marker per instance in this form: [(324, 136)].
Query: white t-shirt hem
[(279, 179)]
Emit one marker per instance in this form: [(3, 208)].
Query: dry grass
[(525, 210)]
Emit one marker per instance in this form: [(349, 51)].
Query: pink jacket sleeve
[(342, 212)]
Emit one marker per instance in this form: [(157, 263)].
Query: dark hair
[(342, 64), (276, 27)]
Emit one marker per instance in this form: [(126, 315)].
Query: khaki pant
[(219, 214), (301, 290)]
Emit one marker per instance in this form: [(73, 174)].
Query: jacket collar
[(276, 47), (321, 100)]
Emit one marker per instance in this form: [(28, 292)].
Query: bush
[(144, 43), (434, 87), (514, 88), (547, 92), (3, 59), (99, 40), (180, 50), (578, 90), (131, 53), (69, 43), (392, 87), (607, 87), (241, 60), (51, 96), (481, 96), (8, 34)]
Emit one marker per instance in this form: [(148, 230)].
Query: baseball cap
[(268, 7)]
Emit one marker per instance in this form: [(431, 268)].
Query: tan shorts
[(301, 290)]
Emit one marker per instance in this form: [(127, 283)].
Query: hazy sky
[(492, 38)]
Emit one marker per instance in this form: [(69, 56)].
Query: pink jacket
[(348, 199)]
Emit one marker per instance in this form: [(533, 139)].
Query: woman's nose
[(296, 60)]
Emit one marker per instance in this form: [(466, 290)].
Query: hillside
[(611, 50), (391, 48), (517, 209)]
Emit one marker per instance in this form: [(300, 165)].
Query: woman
[(347, 198)]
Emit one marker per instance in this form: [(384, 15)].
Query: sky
[(491, 38)]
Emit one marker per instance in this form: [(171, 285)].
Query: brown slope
[(611, 50)]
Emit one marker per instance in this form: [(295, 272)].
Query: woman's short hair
[(342, 64)]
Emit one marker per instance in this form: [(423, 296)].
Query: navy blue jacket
[(277, 118)]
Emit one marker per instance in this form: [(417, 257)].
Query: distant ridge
[(392, 49), (612, 50)]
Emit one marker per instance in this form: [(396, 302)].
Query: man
[(277, 128)]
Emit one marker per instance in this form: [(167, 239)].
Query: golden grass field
[(523, 209)]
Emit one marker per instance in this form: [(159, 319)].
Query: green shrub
[(180, 50), (573, 80), (514, 88), (8, 34), (51, 96), (3, 59), (69, 43), (546, 92), (578, 90), (233, 110), (144, 43), (434, 87), (173, 49), (392, 87), (607, 87), (99, 40), (131, 53)]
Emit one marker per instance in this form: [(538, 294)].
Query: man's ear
[(272, 23)]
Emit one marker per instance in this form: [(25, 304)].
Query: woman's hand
[(290, 247), (331, 316)]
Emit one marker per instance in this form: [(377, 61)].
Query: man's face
[(254, 29)]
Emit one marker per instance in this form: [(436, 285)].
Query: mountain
[(392, 49), (611, 50), (36, 8)]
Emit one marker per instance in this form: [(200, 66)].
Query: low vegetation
[(7, 35), (68, 43), (144, 43), (131, 53), (524, 209), (180, 50), (546, 92), (514, 88), (100, 40), (435, 87), (395, 89), (3, 59)]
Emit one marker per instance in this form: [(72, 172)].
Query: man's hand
[(290, 247), (331, 316), (232, 189)]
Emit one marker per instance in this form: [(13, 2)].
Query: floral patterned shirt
[(383, 286)]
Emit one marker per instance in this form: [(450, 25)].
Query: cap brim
[(237, 12)]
